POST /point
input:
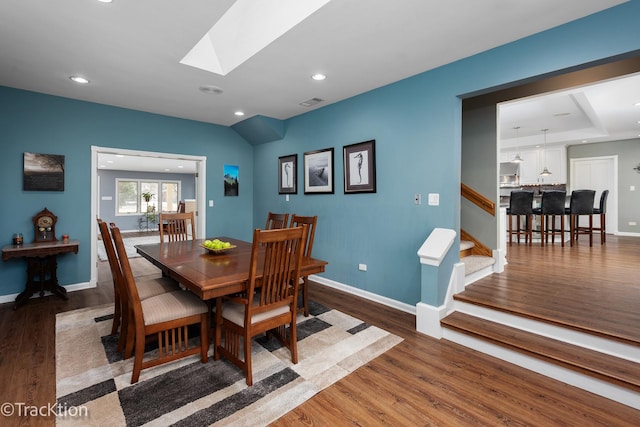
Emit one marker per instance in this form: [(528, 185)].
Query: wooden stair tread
[(543, 314), (590, 362)]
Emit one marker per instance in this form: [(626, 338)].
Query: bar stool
[(552, 205), (520, 204), (602, 211), (581, 204)]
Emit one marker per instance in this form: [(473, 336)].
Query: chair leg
[(571, 228), (562, 230), (117, 311), (510, 230), (590, 230), (305, 295), (603, 232), (247, 357), (543, 231)]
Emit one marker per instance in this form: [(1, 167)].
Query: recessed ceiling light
[(167, 170), (318, 77), (239, 113), (180, 166), (105, 1), (79, 79), (637, 104)]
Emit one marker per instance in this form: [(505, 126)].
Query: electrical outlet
[(210, 203), (362, 267), (286, 198), (632, 223)]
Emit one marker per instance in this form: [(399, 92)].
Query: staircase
[(476, 265), (604, 365)]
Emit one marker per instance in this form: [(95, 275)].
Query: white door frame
[(201, 193), (611, 184)]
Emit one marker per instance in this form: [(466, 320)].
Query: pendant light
[(545, 171), (517, 158)]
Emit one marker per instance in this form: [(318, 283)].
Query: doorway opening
[(150, 160)]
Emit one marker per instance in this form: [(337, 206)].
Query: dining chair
[(276, 220), (165, 317), (581, 204), (177, 226), (269, 303), (552, 205), (521, 204), (181, 206), (146, 289), (310, 221), (602, 211)]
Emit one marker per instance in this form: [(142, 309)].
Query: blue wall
[(39, 123), (417, 127), (416, 124)]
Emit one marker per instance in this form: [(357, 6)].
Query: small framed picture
[(43, 172), (288, 174), (318, 171), (360, 167)]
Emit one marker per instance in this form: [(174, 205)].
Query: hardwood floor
[(421, 381)]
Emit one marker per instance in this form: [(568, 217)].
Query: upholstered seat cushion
[(171, 306), (234, 312), (152, 287)]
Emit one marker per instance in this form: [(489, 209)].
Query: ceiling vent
[(311, 102)]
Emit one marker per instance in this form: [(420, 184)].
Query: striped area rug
[(93, 382)]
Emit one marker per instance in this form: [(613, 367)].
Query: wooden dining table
[(210, 275)]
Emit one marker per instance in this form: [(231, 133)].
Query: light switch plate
[(434, 199)]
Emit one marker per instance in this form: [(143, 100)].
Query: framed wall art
[(288, 174), (231, 183), (318, 171), (43, 172), (360, 167)]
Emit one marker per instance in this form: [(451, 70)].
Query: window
[(131, 201)]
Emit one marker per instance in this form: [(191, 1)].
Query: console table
[(41, 266)]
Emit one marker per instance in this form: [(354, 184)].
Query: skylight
[(245, 29)]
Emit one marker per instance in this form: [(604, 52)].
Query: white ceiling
[(601, 112), (131, 50)]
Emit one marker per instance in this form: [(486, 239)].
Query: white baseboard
[(365, 294), (69, 288)]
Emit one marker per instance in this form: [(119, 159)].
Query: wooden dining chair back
[(310, 221), (581, 204), (276, 220), (165, 317), (601, 210), (269, 303), (119, 292), (520, 205), (177, 226), (181, 206), (147, 288)]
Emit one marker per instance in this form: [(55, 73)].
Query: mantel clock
[(44, 224)]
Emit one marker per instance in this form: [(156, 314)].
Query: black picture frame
[(288, 174), (360, 167), (318, 171), (43, 172)]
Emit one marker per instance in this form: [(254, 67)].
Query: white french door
[(599, 174)]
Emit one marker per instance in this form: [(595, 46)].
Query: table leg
[(37, 271)]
